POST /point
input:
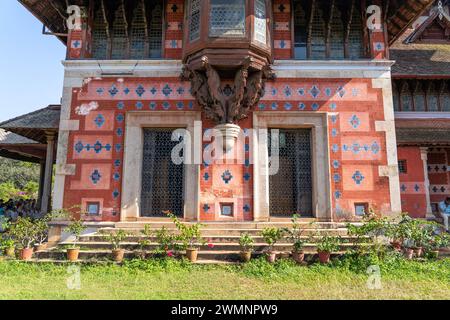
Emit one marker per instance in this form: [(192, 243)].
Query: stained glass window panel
[(194, 20), (260, 21), (227, 18)]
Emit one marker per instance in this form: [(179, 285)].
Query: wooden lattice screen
[(127, 29), (328, 29)]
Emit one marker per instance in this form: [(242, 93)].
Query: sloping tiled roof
[(423, 131), (9, 138), (16, 147), (33, 125), (423, 136), (420, 60)]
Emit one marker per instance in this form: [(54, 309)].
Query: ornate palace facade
[(319, 72)]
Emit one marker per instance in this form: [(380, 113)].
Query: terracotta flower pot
[(418, 251), (246, 256), (434, 254), (324, 257), (26, 254), (397, 245), (72, 254), (298, 256), (10, 252), (409, 253), (118, 255), (271, 257), (192, 254)]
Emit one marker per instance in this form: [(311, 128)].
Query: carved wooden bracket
[(232, 104)]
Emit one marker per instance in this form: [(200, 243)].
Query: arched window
[(139, 33), (405, 98), (127, 29), (395, 96), (337, 36), (156, 31), (119, 33), (432, 98), (100, 33), (355, 39), (419, 97), (445, 96), (194, 20), (318, 49), (300, 31)]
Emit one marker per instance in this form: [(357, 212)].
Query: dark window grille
[(156, 31), (402, 166), (290, 190), (162, 180), (139, 36)]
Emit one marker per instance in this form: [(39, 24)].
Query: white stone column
[(41, 182), (424, 157), (47, 188)]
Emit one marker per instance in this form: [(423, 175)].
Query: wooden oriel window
[(328, 29)]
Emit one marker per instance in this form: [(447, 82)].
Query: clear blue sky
[(31, 74)]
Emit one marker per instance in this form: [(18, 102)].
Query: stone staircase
[(223, 240)]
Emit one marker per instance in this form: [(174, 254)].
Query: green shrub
[(246, 242), (272, 236)]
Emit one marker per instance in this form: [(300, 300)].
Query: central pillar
[(47, 185), (424, 157)]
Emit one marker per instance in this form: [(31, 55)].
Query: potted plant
[(9, 247), (190, 237), (166, 242), (436, 243), (116, 239), (421, 235), (24, 232), (295, 236), (325, 246), (271, 237), (144, 242), (76, 227), (41, 233), (399, 231), (408, 250), (246, 243)]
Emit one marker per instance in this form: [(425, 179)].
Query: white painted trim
[(122, 68), (333, 68), (318, 123), (422, 115), (132, 165)]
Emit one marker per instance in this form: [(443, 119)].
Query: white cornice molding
[(333, 68), (422, 115), (136, 68)]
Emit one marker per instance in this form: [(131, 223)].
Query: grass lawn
[(170, 279)]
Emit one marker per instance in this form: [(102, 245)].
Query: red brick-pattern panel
[(282, 42), (412, 183), (173, 43)]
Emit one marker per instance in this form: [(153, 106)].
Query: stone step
[(304, 223), (211, 238), (218, 246), (230, 231)]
